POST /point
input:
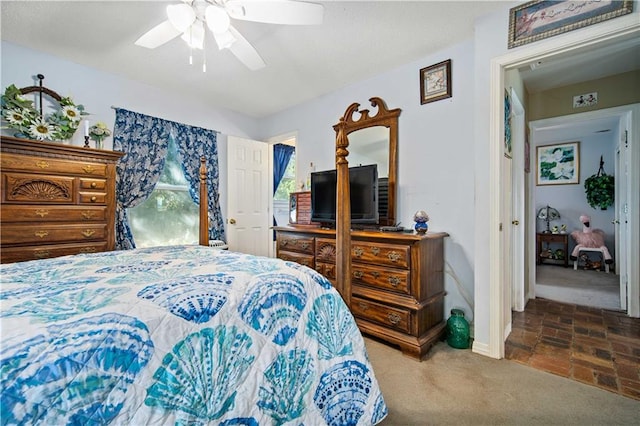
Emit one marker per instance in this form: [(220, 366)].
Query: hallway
[(595, 346)]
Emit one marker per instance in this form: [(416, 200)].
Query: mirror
[(374, 140)]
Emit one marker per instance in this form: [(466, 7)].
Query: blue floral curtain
[(144, 141), (281, 155), (193, 143)]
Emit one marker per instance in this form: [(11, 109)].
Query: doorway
[(598, 134), (603, 35)]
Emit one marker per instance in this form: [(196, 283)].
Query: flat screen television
[(363, 188)]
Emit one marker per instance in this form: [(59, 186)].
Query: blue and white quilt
[(183, 335)]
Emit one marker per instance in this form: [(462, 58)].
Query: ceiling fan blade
[(158, 35), (245, 52), (286, 12)]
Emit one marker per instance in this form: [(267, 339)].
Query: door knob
[(615, 221), (515, 222), (232, 221)]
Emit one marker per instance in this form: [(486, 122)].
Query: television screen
[(363, 188)]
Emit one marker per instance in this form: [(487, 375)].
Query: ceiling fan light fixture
[(181, 16), (217, 19), (194, 35)]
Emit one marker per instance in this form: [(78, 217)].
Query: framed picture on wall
[(435, 82), (540, 19), (558, 164)]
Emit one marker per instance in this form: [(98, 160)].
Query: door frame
[(605, 32)]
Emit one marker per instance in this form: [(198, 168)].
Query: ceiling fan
[(189, 18)]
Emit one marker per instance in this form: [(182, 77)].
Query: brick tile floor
[(590, 345)]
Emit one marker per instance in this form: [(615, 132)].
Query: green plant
[(600, 190)]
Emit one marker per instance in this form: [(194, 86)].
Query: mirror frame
[(389, 119)]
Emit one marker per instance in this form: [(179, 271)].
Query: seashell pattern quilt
[(181, 335)]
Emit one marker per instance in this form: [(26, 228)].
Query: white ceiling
[(357, 40)]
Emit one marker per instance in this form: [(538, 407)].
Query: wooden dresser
[(56, 200), (397, 290)]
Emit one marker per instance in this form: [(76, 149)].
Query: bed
[(184, 335)]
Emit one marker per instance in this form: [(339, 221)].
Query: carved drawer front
[(326, 269), (51, 233), (93, 198), (294, 242), (391, 317), (18, 254), (31, 214), (93, 184), (395, 255), (52, 165), (302, 259), (326, 250), (390, 279), (32, 188)]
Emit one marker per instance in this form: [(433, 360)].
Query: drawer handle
[(41, 234), (394, 281), (93, 199), (357, 274), (375, 251), (89, 169), (41, 254), (304, 245), (93, 184), (285, 242), (88, 250), (42, 164), (375, 274), (394, 256), (87, 215), (363, 306), (88, 233), (41, 212), (306, 263), (358, 251), (393, 318)]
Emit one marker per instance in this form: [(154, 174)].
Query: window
[(281, 197), (169, 216)]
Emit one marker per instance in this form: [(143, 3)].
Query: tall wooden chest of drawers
[(56, 200), (397, 280)]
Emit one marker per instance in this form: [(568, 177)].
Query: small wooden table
[(550, 238)]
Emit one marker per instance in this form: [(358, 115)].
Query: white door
[(518, 300), (248, 196), (507, 241), (621, 208)]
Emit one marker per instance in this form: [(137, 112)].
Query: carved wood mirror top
[(374, 139)]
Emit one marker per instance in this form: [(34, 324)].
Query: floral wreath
[(20, 114)]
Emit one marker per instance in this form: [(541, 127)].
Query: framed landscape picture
[(539, 19), (558, 164)]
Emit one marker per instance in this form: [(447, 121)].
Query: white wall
[(98, 91), (435, 153)]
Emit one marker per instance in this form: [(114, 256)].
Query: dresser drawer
[(93, 184), (46, 233), (295, 242), (32, 188), (397, 280), (93, 198), (327, 269), (19, 254), (395, 255), (395, 318), (34, 164), (31, 214), (302, 259)]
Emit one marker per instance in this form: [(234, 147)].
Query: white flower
[(71, 112), (15, 116), (41, 130)]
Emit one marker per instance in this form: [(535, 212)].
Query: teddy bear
[(589, 238)]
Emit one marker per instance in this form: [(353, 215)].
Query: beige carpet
[(579, 287), (458, 387)]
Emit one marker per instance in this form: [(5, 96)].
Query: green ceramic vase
[(458, 330)]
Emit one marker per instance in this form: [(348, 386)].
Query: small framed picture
[(558, 164), (435, 82)]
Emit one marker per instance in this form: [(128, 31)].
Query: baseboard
[(480, 348)]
